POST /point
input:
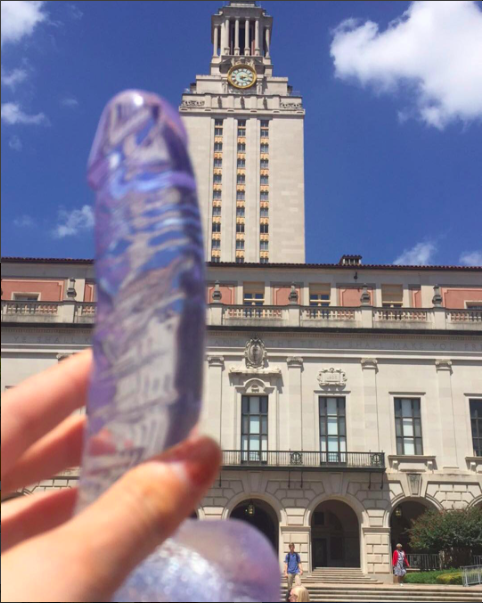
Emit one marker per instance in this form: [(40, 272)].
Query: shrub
[(427, 577), (450, 579)]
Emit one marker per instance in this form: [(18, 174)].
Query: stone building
[(346, 397)]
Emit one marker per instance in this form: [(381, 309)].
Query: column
[(446, 413), (295, 366), (371, 412), (267, 41), (247, 38), (212, 415), (237, 37), (215, 41), (257, 37), (226, 42)]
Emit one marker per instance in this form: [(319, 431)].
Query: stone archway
[(261, 516), (335, 534), (402, 518)]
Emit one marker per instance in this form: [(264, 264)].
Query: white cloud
[(71, 223), (421, 254), (15, 143), (471, 258), (69, 101), (433, 52), (12, 78), (24, 221), (20, 18), (12, 114)]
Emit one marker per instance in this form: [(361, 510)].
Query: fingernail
[(196, 459)]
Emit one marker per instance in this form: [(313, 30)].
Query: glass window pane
[(342, 426), (398, 407), (400, 449), (323, 446), (245, 426), (398, 428), (254, 424), (409, 446), (254, 443), (343, 444), (244, 443), (322, 406), (264, 444), (408, 429), (332, 426), (417, 428), (245, 405), (407, 408), (254, 405), (341, 406), (419, 446), (332, 406), (333, 444), (322, 427), (264, 425), (264, 402)]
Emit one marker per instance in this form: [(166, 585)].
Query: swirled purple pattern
[(145, 393)]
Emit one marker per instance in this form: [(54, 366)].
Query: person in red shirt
[(399, 563)]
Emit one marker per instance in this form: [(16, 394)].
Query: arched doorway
[(335, 536), (260, 515), (402, 519)]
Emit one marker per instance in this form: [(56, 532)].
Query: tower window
[(264, 196), (219, 122), (218, 131), (215, 244), (240, 195), (263, 179), (241, 163), (216, 195), (240, 179), (218, 162), (242, 132), (264, 212), (263, 228), (216, 227), (264, 133), (242, 147), (240, 228), (264, 163), (240, 260), (240, 244), (264, 148), (217, 178), (264, 123), (218, 146), (263, 260), (215, 259), (263, 245), (242, 123), (240, 212), (217, 211)]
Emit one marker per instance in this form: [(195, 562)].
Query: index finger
[(37, 405)]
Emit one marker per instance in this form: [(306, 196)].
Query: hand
[(286, 574), (48, 555), (301, 572)]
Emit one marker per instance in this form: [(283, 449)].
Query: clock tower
[(246, 128)]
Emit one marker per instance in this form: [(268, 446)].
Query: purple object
[(145, 394)]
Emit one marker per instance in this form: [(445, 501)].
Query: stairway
[(347, 585)]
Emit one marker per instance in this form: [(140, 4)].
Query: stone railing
[(290, 316)]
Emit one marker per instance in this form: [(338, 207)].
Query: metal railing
[(425, 562), (471, 575), (304, 460)]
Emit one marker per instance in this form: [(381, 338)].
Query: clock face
[(242, 76)]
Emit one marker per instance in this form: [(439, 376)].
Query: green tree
[(454, 534)]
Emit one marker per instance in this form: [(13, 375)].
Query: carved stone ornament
[(332, 378), (255, 353)]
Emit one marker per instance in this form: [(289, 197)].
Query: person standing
[(400, 562), (293, 567)]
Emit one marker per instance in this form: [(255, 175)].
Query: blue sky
[(393, 126)]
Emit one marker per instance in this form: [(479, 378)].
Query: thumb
[(103, 544)]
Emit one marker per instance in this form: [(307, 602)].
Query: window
[(242, 123), (218, 162), (264, 133), (264, 196), (264, 148), (240, 260), (241, 147), (264, 123), (240, 244), (240, 212), (264, 228), (215, 244), (218, 122), (253, 297), (241, 163), (319, 299), (264, 245), (263, 260), (264, 212), (254, 429), (217, 178), (217, 211), (473, 305), (409, 436), (216, 227), (242, 132), (475, 411), (333, 441), (240, 179), (240, 195), (392, 296), (26, 297), (240, 227), (218, 146), (264, 163), (263, 179), (218, 131), (216, 195), (215, 259)]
